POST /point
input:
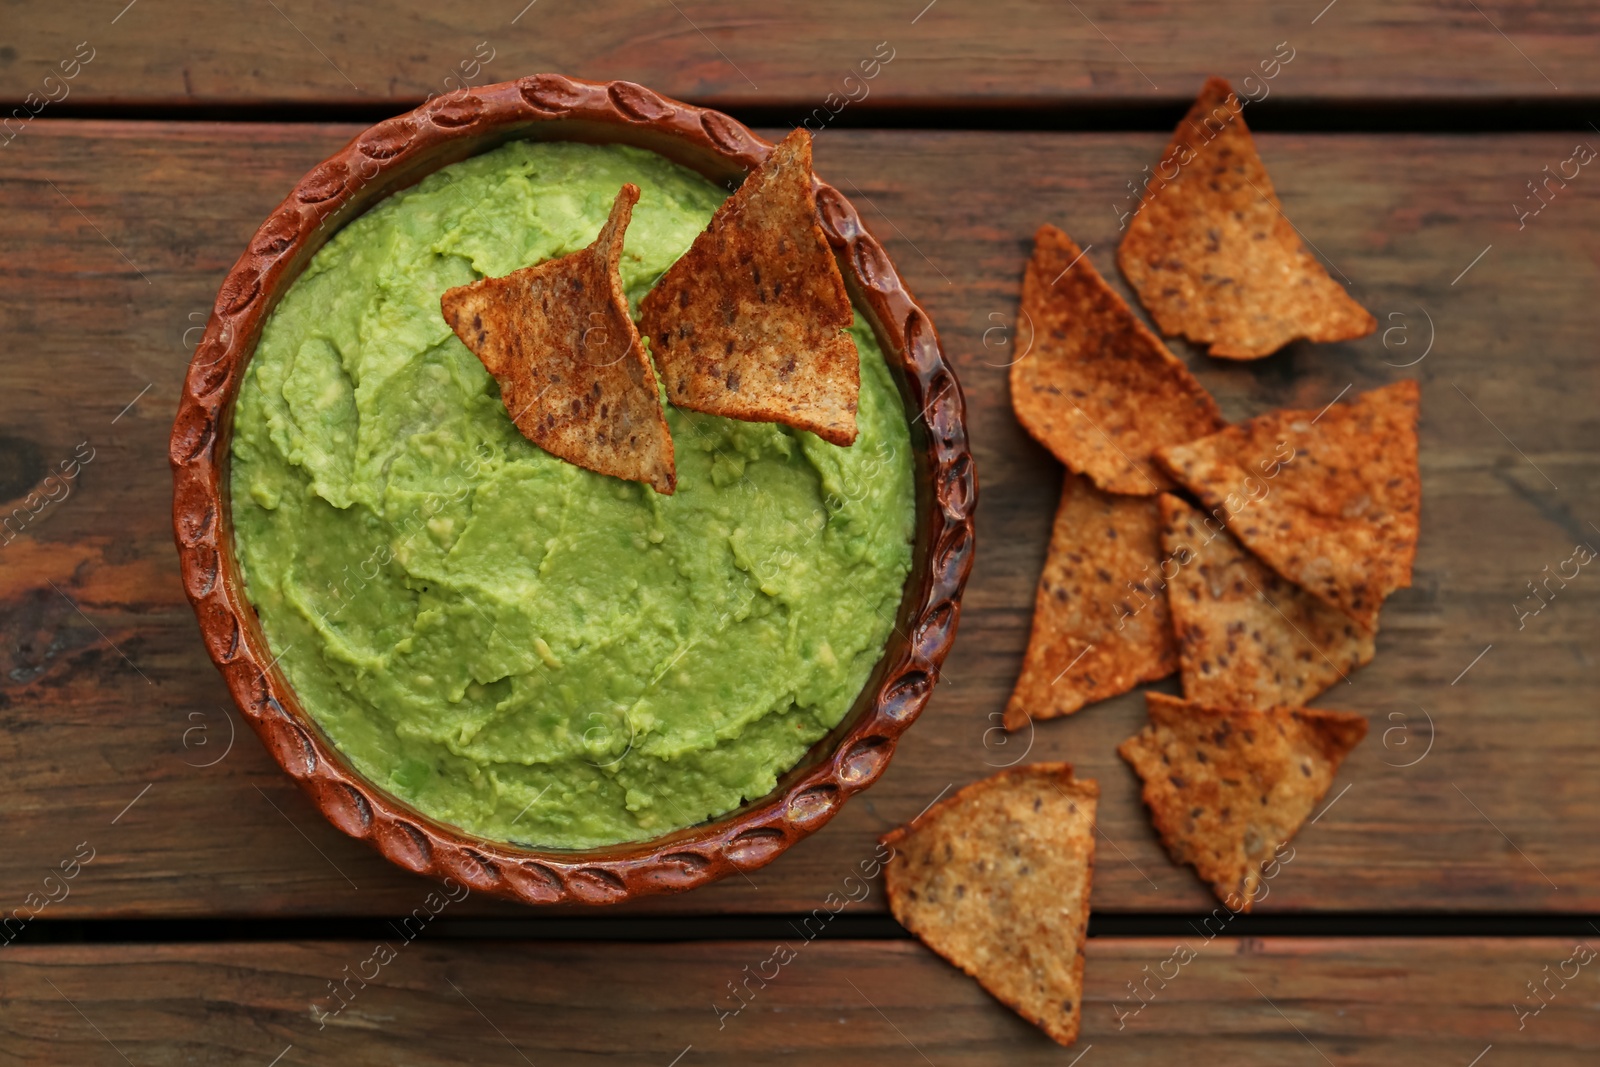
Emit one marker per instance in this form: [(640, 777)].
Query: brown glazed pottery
[(398, 153)]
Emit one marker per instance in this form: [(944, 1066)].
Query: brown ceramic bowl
[(398, 153)]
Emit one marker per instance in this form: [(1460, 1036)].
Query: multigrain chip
[(1228, 788), (573, 374), (1246, 637), (1098, 389), (1099, 618), (1211, 253), (996, 880), (749, 322), (1339, 518)]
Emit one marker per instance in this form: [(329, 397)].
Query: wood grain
[(792, 55), (1245, 1002), (115, 235)]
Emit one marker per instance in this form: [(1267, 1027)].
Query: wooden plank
[(1245, 1002), (104, 683), (1027, 52)]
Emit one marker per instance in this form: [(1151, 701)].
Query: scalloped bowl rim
[(394, 154)]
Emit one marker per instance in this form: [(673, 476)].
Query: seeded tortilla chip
[(1227, 788), (573, 374), (996, 880), (1098, 389), (1338, 515), (1100, 623), (749, 322), (1248, 638), (1212, 255)]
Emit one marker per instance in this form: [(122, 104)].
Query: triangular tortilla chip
[(1246, 637), (573, 374), (1097, 388), (1338, 516), (996, 880), (1212, 255), (1099, 618), (749, 322), (1227, 788)]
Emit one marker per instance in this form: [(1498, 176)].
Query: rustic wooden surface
[(793, 54), (1475, 791), (111, 247), (1246, 1002)]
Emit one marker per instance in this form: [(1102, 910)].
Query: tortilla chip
[(573, 374), (1337, 515), (1246, 637), (1227, 788), (749, 322), (1212, 255), (1100, 622), (1098, 389), (996, 880)]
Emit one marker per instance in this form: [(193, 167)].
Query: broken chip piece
[(1339, 519), (1248, 638), (996, 880), (750, 322), (1211, 253), (1099, 618), (573, 374), (1097, 388), (1227, 788)]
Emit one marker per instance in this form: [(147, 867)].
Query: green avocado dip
[(512, 644)]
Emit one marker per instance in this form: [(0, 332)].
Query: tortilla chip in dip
[(1338, 514), (1100, 622), (749, 322), (1246, 637), (1212, 255), (996, 880), (573, 374), (1227, 788), (1097, 388)]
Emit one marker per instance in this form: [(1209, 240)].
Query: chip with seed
[(1096, 387), (996, 880), (1227, 788), (573, 374), (1211, 253), (750, 322), (1248, 638), (1099, 617), (1339, 517)]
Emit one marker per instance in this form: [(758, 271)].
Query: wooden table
[(1455, 870)]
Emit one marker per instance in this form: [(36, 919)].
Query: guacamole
[(525, 649)]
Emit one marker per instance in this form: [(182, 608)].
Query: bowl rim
[(390, 156)]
